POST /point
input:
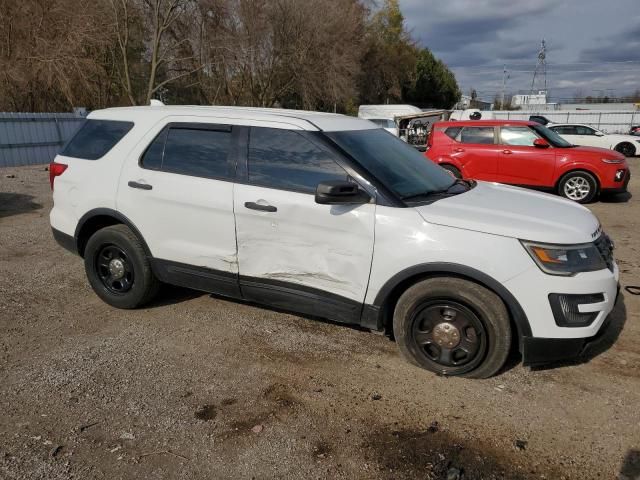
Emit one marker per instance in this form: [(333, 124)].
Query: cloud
[(476, 37)]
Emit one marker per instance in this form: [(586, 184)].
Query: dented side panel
[(327, 247)]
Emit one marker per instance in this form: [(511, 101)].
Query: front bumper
[(540, 351), (618, 187)]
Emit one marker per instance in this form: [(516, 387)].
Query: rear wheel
[(118, 268), (626, 148), (453, 327), (580, 187), (451, 169)]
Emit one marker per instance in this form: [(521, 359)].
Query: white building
[(539, 98)]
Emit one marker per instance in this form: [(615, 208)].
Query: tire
[(118, 268), (626, 148), (453, 170), (579, 186), (447, 314)]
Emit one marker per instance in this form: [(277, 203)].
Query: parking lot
[(195, 386)]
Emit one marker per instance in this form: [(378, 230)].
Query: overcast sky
[(593, 46)]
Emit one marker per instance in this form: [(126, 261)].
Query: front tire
[(626, 148), (453, 327), (452, 170), (581, 187), (118, 268)]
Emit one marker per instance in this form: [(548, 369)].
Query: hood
[(600, 152), (514, 212)]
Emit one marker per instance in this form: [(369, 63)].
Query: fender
[(515, 310), (573, 166), (107, 212)]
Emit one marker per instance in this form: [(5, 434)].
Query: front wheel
[(452, 170), (626, 149), (453, 327), (580, 187), (118, 268)]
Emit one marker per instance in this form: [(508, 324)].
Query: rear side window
[(95, 138), (478, 135), (190, 151), (518, 136), (286, 160), (452, 132)]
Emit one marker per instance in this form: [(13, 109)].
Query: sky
[(593, 46)]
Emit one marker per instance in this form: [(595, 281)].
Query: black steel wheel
[(114, 269), (453, 327), (118, 268), (448, 334)]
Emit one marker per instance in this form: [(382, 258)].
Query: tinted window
[(199, 153), (95, 138), (153, 156), (285, 159), (452, 132), (565, 130), (584, 130), (482, 135), (518, 136), (397, 165)]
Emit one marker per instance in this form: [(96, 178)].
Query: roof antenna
[(155, 103)]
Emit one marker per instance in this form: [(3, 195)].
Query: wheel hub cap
[(116, 268), (446, 335), (577, 188)]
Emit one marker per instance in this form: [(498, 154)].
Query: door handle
[(458, 150), (507, 152), (141, 186), (262, 208)]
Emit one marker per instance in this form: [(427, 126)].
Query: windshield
[(552, 137), (397, 165)]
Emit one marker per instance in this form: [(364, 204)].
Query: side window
[(452, 132), (566, 130), (518, 136), (190, 151), (286, 160), (479, 135), (95, 138), (584, 130)]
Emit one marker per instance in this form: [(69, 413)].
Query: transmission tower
[(541, 67)]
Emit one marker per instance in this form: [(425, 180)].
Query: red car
[(526, 154)]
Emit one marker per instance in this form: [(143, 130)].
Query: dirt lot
[(199, 387)]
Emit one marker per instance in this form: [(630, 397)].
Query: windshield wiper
[(457, 187)]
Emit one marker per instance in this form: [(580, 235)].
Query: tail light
[(55, 170), (430, 139)]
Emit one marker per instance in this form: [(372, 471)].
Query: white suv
[(328, 216)]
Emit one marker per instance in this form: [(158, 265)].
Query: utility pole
[(504, 85)]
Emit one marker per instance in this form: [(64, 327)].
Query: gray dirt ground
[(174, 390)]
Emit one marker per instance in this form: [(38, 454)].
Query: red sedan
[(526, 154)]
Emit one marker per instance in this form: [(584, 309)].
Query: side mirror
[(599, 134), (339, 192), (541, 143)]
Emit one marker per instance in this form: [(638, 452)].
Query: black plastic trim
[(538, 351), (302, 299), (197, 278), (578, 299), (108, 212), (516, 311), (65, 241)]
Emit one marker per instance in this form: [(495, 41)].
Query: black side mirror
[(339, 192)]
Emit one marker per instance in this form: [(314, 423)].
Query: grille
[(605, 246)]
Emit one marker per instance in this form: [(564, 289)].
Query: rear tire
[(453, 170), (626, 148), (453, 327), (580, 186), (118, 268)]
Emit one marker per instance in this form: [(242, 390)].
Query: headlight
[(612, 160), (565, 259)]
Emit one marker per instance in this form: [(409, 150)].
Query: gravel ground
[(199, 387)]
